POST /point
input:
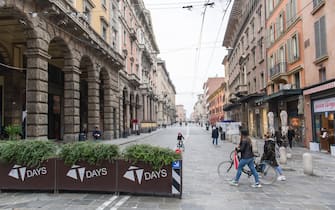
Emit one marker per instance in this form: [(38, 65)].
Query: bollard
[(283, 157), (254, 146), (307, 163)]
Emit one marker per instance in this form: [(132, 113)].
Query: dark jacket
[(290, 134), (269, 154), (246, 148), (215, 133), (180, 137)]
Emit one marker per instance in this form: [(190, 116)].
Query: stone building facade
[(69, 66), (245, 65)]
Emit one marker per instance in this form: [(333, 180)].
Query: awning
[(230, 106), (251, 97), (283, 94)]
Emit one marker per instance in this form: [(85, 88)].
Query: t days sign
[(80, 173), (22, 173), (138, 175)]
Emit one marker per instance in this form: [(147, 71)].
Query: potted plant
[(27, 165), (13, 131), (87, 166)]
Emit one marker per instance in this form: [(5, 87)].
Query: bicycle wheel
[(268, 174), (225, 170)]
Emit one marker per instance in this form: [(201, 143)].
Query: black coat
[(246, 148), (269, 154), (215, 133)]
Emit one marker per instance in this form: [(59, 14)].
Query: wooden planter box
[(141, 178), (118, 176), (86, 177), (18, 177)]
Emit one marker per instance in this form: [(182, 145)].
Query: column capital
[(37, 52)]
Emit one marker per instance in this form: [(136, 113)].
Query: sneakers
[(233, 182), (257, 185), (281, 178)]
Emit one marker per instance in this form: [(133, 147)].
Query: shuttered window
[(320, 38)]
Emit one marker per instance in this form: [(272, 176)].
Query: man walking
[(215, 135)]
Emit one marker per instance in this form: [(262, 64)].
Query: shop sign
[(319, 88), (324, 105)]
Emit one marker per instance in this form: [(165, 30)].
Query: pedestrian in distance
[(180, 143), (290, 135), (97, 133), (215, 135), (269, 155), (247, 158)]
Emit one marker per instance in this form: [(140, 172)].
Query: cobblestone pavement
[(202, 188)]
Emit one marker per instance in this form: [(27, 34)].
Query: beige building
[(245, 65), (180, 114), (74, 65), (319, 53), (166, 93), (199, 114)]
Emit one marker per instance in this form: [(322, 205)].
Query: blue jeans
[(250, 163), (215, 141)]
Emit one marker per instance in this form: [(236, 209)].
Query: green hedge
[(156, 156), (91, 152), (27, 152), (34, 152)]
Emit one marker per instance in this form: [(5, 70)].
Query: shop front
[(320, 111), (323, 122)]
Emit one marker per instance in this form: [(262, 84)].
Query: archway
[(13, 41), (125, 113), (58, 51)]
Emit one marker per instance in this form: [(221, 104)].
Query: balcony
[(279, 72), (241, 90), (134, 79), (132, 33)]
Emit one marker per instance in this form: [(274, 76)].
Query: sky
[(190, 42)]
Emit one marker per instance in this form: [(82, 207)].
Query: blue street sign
[(176, 164)]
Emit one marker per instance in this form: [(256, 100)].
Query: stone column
[(93, 104), (145, 108), (120, 115), (108, 112), (37, 91), (71, 103), (128, 115)]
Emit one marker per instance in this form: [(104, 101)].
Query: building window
[(114, 38), (262, 83), (104, 30), (124, 37), (255, 85), (87, 11), (297, 80), (322, 74), (253, 57), (281, 23), (291, 12), (261, 49), (293, 48), (104, 4), (272, 34), (316, 3), (320, 37)]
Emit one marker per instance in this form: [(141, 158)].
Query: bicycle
[(180, 145), (267, 173)]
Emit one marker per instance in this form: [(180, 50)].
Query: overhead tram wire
[(217, 38), (197, 55)]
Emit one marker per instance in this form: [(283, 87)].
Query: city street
[(202, 188)]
